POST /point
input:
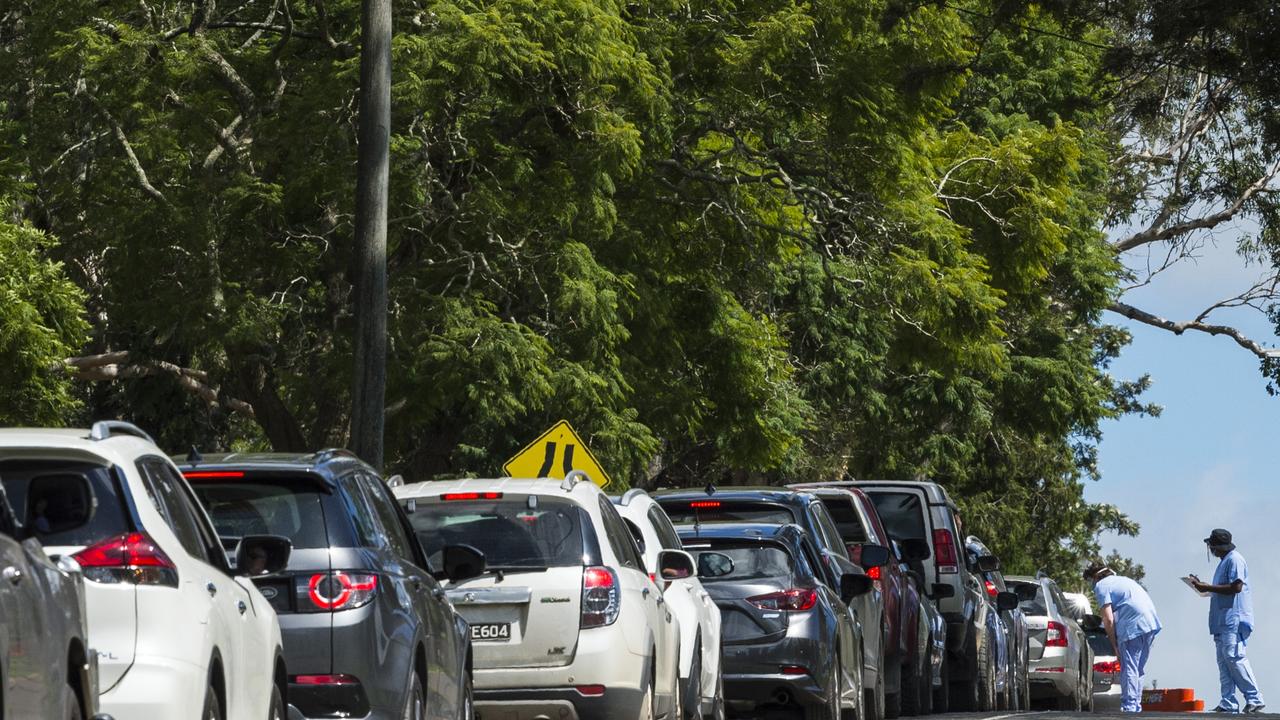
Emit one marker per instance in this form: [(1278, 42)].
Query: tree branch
[(118, 366), (1177, 328)]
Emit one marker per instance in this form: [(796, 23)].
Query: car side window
[(816, 568), (667, 535), (165, 490), (830, 533), (361, 514), (8, 521), (384, 507), (624, 546)]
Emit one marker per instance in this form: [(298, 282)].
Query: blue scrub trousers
[(1133, 664), (1234, 672)]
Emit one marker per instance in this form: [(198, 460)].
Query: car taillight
[(326, 680), (874, 572), (213, 474), (128, 558), (339, 590), (944, 551), (704, 504), (1107, 666), (991, 589), (793, 600), (452, 497), (600, 600), (1055, 635)]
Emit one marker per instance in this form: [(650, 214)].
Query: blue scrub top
[(1229, 613), (1134, 612)]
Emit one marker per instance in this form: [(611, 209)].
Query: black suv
[(362, 615)]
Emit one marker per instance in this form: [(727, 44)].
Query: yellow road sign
[(554, 454)]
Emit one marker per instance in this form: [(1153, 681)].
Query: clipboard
[(1191, 584)]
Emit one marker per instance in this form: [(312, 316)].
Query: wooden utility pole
[(368, 396)]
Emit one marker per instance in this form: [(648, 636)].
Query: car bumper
[(156, 687), (557, 704), (1107, 700), (745, 693), (1046, 683)]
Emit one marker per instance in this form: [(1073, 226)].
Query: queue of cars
[(134, 585)]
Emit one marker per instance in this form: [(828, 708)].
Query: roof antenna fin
[(194, 456), (710, 489)]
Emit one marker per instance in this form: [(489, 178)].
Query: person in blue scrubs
[(1231, 623), (1132, 624)]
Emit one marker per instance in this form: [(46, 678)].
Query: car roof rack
[(105, 429), (573, 478), (330, 453), (630, 495)]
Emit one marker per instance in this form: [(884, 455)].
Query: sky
[(1208, 461)]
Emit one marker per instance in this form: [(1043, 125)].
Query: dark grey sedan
[(789, 638), (46, 667), (368, 631)]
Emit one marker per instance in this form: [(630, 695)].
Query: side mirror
[(874, 556), (462, 562), (853, 585), (914, 550), (1091, 622), (675, 565), (1006, 601), (988, 563), (713, 565), (941, 591), (259, 555)]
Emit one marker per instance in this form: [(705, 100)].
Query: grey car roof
[(304, 462)]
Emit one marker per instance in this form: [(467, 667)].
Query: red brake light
[(600, 598), (325, 680), (447, 497), (794, 670), (341, 590), (793, 600), (944, 551), (1055, 634), (991, 589), (1107, 666), (874, 572), (130, 557), (704, 504), (211, 474), (590, 690)]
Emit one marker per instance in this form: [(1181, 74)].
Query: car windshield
[(1031, 597), (901, 514), (50, 500), (1100, 643), (846, 518), (689, 512), (742, 563), (516, 531), (288, 506)]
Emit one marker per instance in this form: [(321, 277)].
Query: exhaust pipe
[(781, 697)]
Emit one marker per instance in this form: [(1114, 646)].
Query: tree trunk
[(372, 171)]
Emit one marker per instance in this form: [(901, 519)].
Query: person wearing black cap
[(1231, 623), (1132, 625)]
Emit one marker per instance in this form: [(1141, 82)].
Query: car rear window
[(515, 531), (1031, 597), (47, 497), (1100, 643), (846, 518), (690, 512), (901, 513), (743, 563), (288, 506)]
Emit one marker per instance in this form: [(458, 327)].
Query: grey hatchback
[(46, 667), (368, 632)]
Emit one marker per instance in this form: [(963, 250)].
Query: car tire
[(874, 704), (276, 711), (71, 709), (966, 694), (986, 682), (467, 710), (719, 711), (831, 709), (942, 693), (912, 696), (212, 708), (415, 703), (692, 709), (647, 701)]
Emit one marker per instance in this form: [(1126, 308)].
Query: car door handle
[(644, 592), (439, 593), (213, 589), (241, 606), (661, 601), (13, 575)]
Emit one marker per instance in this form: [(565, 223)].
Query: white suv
[(177, 634), (702, 687), (565, 620)]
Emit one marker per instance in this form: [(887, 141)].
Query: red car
[(909, 686)]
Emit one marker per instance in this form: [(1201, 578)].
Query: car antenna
[(194, 456), (710, 489)]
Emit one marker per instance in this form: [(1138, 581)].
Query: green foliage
[(764, 240)]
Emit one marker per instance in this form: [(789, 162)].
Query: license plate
[(491, 632)]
